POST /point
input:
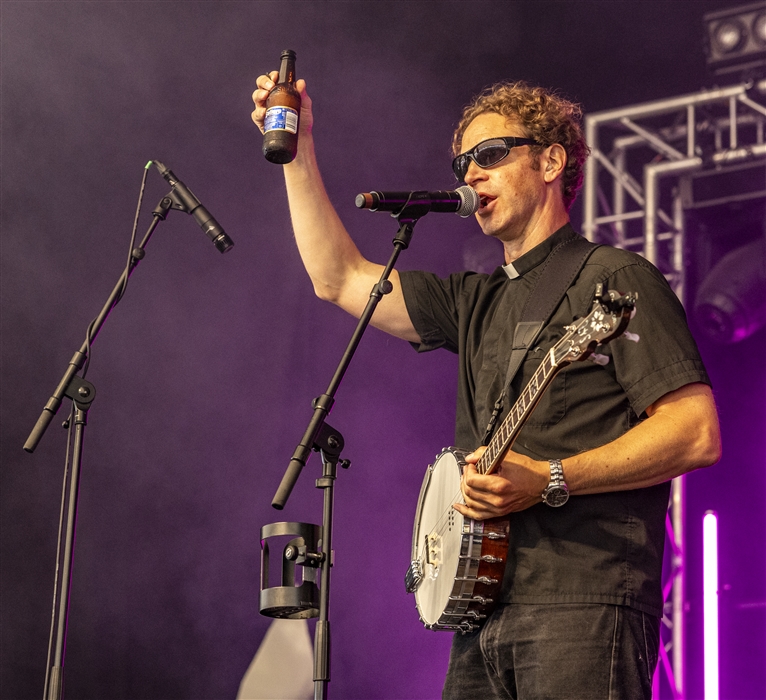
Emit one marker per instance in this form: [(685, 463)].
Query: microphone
[(213, 230), (463, 201)]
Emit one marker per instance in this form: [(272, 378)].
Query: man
[(581, 599)]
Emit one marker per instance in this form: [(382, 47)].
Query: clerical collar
[(532, 258)]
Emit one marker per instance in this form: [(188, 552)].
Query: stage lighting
[(730, 35), (731, 301), (710, 602), (759, 28), (736, 39)]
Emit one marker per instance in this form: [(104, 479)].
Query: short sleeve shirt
[(600, 548)]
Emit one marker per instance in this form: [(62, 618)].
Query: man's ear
[(555, 159)]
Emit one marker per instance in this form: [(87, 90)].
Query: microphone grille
[(469, 199)]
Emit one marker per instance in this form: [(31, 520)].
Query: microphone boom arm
[(78, 359), (407, 218)]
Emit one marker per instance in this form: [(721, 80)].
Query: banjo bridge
[(433, 554)]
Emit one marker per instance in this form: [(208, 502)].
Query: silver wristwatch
[(556, 492)]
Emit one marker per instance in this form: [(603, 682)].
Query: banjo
[(457, 563)]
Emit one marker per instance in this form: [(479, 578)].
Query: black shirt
[(602, 548)]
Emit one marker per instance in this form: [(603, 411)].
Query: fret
[(509, 427)]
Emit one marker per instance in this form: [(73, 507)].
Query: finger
[(472, 513), (475, 456), (265, 85), (490, 501), (257, 115), (476, 498), (267, 81), (483, 483), (469, 470), (260, 97), (474, 488), (263, 82)]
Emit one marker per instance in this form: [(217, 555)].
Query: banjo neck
[(517, 416)]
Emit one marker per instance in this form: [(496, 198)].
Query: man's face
[(512, 193)]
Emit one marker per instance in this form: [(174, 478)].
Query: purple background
[(206, 370)]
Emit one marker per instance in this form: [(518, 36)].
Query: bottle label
[(281, 119)]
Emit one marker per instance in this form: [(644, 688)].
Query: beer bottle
[(283, 106)]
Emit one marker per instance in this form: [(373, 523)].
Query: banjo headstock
[(607, 319)]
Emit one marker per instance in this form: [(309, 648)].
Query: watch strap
[(557, 472), (556, 494)]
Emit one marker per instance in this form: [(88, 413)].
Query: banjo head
[(460, 562), (437, 533)]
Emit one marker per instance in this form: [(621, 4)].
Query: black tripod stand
[(82, 393), (313, 548)]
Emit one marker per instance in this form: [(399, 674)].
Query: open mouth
[(485, 200)]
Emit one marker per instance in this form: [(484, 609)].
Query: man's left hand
[(515, 485)]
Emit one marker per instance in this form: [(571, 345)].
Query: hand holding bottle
[(265, 84), (282, 108)]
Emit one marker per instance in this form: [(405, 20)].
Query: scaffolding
[(640, 181)]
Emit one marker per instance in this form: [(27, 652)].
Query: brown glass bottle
[(283, 108)]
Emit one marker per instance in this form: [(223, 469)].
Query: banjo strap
[(558, 273)]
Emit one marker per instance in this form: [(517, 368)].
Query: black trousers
[(566, 651)]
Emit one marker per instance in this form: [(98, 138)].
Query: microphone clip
[(414, 208), (181, 198), (179, 203)]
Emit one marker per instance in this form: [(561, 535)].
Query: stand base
[(291, 602)]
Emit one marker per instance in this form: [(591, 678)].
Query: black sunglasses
[(488, 153)]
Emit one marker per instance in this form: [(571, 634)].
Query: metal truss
[(646, 162)]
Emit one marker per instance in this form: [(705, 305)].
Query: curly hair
[(544, 116)]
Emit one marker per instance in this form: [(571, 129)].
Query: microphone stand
[(82, 393), (329, 443)]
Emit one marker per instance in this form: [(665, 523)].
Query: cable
[(125, 274)]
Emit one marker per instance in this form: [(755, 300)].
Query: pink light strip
[(710, 598)]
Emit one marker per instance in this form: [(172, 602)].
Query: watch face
[(556, 496)]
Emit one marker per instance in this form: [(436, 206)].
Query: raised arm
[(337, 269)]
